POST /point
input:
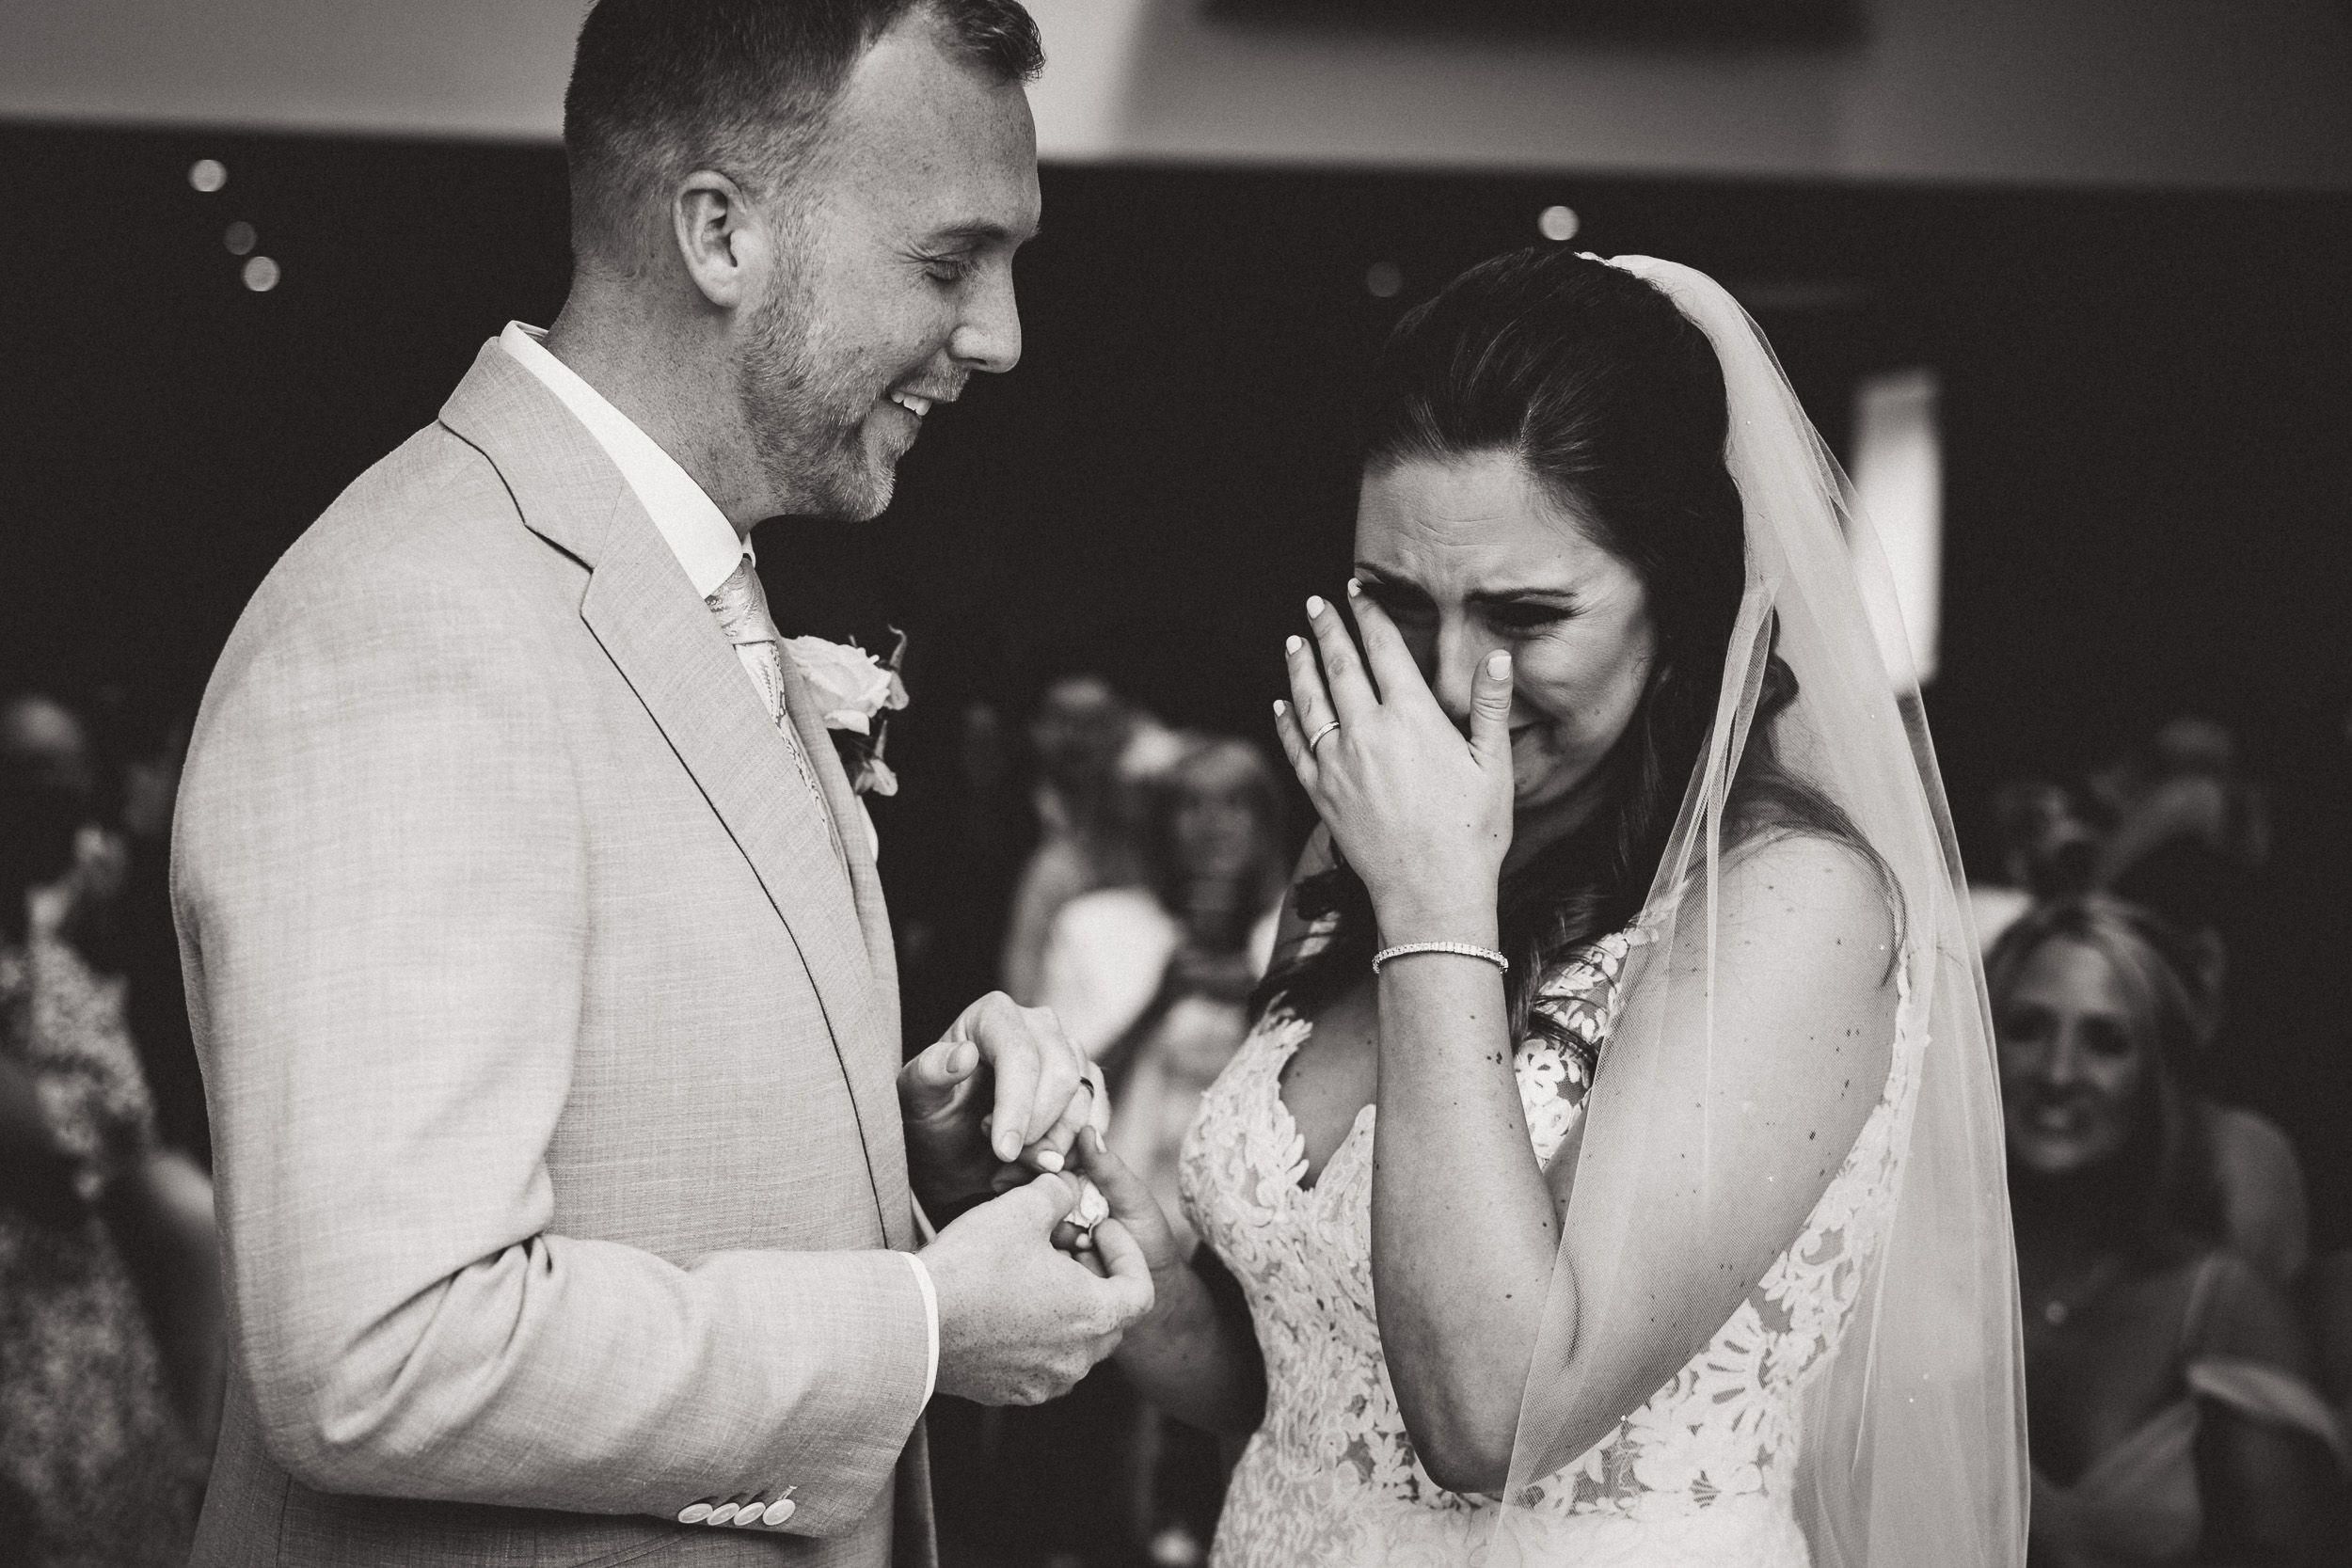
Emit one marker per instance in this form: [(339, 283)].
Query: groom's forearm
[(592, 1377)]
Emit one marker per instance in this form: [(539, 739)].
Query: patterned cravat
[(741, 606)]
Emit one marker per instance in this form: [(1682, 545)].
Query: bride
[(1613, 1174)]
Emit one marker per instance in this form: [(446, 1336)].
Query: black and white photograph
[(1176, 783)]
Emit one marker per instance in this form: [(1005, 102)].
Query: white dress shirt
[(705, 544)]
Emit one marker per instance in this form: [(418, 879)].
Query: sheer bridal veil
[(1911, 1440)]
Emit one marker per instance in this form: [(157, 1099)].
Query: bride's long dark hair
[(1614, 399)]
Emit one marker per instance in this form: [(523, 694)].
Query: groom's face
[(894, 276)]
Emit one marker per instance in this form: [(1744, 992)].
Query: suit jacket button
[(778, 1512), (722, 1513), (693, 1514)]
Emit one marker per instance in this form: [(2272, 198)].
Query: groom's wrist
[(946, 1210)]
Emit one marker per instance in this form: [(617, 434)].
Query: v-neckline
[(1305, 1179)]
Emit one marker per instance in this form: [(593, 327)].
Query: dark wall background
[(2147, 405)]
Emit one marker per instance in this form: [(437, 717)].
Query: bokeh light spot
[(207, 175), (240, 238), (261, 274), (1558, 223), (1382, 279)]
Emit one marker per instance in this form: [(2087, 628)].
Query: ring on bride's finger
[(1316, 740)]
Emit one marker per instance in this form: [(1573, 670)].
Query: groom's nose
[(989, 336)]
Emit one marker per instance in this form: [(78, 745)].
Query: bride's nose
[(1460, 647)]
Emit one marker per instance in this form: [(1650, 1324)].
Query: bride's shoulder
[(1800, 896)]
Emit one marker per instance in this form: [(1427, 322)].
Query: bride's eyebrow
[(1564, 598), (1373, 577)]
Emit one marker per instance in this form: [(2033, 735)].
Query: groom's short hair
[(662, 87)]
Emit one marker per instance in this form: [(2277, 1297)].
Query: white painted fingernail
[(1499, 663), (1292, 645), (1280, 707), (1048, 1159), (1355, 589), (1314, 606)]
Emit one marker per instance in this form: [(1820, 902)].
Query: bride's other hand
[(1134, 1211), (1422, 817)]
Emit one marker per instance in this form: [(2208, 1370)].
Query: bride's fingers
[(1293, 743), (1392, 662), (1352, 697), (1311, 703), (1131, 1200), (1490, 709)]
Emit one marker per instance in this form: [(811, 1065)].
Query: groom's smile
[(893, 282)]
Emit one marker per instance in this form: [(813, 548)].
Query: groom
[(568, 1177)]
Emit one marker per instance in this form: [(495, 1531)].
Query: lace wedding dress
[(1702, 1474)]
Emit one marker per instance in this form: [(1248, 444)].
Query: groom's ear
[(719, 239)]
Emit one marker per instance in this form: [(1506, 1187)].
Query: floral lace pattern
[(1700, 1474)]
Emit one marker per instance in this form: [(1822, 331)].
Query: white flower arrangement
[(857, 693)]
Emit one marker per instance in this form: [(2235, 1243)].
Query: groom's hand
[(1003, 1087), (1019, 1321)]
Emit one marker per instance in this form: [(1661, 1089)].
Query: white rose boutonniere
[(857, 693)]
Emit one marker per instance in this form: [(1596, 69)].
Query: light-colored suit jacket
[(550, 1049)]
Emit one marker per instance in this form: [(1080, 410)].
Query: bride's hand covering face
[(1505, 651), (1421, 811), (1595, 476), (1472, 557)]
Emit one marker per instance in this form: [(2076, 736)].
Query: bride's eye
[(1526, 619), (1405, 609)]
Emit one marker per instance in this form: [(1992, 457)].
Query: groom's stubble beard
[(808, 419)]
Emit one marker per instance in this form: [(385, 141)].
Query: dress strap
[(2260, 1392)]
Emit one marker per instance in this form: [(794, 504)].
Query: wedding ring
[(1316, 740)]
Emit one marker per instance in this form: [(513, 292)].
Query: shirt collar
[(697, 532)]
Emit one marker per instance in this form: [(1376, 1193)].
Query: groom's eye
[(947, 268)]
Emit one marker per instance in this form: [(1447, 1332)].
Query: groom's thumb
[(1048, 1199)]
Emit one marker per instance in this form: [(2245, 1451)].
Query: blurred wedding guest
[(2188, 828), (1090, 743), (2170, 1405), (960, 829), (2265, 1204), (2055, 842), (2044, 850), (2185, 833), (1153, 982), (132, 935), (96, 1465)]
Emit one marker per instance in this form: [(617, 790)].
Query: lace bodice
[(1700, 1474)]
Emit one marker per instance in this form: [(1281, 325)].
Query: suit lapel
[(663, 639), (873, 1074)]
